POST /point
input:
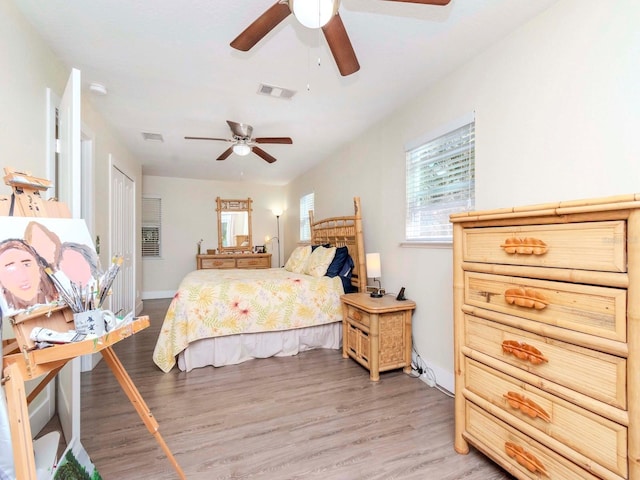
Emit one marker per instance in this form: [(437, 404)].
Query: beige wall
[(189, 214), (28, 68), (557, 114)]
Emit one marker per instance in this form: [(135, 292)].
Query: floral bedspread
[(212, 303)]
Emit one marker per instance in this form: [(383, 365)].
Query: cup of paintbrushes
[(94, 322)]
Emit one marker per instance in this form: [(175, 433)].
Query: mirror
[(234, 225)]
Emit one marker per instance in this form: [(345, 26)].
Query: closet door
[(123, 240)]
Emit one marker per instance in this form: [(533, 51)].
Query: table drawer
[(599, 375), (590, 309), (253, 262), (218, 263), (509, 446), (571, 425), (358, 316), (598, 246)]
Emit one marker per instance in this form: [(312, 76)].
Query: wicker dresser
[(233, 260), (547, 338)]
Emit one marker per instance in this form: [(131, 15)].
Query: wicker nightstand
[(377, 332)]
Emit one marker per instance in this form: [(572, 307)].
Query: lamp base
[(376, 294)]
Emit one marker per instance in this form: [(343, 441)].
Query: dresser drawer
[(599, 375), (509, 446), (218, 263), (358, 316), (253, 262), (589, 309), (563, 421), (596, 246)]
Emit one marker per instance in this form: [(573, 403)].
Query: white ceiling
[(169, 69)]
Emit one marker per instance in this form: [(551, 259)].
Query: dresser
[(376, 332), (547, 338), (234, 260)]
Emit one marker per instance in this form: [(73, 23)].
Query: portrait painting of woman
[(22, 277)]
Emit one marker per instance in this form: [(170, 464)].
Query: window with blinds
[(306, 205), (151, 226), (440, 181)]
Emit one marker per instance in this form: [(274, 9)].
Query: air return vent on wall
[(273, 91)]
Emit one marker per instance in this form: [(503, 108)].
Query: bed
[(225, 317)]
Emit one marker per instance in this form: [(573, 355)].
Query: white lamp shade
[(314, 13), (373, 265), (277, 212), (241, 149)]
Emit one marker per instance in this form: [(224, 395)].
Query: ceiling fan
[(312, 14), (243, 143)]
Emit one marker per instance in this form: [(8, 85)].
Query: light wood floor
[(312, 416)]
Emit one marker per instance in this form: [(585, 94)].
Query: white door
[(123, 240), (69, 191)]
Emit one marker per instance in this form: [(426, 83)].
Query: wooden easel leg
[(23, 456), (138, 402)]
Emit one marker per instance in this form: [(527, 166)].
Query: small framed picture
[(260, 249)]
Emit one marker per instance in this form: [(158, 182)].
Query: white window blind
[(306, 205), (440, 181), (151, 224)]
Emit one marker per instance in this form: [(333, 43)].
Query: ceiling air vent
[(152, 137), (277, 92)]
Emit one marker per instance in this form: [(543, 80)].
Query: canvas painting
[(42, 257), (75, 464)]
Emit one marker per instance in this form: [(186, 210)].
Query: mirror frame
[(234, 205)]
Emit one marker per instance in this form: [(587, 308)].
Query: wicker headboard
[(344, 232)]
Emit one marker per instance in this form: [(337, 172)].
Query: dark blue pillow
[(342, 253), (345, 275), (325, 245)]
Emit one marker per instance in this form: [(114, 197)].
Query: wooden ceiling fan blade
[(261, 27), (208, 138), (225, 154), (282, 140), (262, 154), (424, 2), (340, 46)]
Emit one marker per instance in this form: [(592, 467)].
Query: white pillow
[(298, 259), (319, 261)]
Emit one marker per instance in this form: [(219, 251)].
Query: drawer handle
[(524, 458), (525, 246), (526, 297), (523, 351), (357, 315), (527, 406)]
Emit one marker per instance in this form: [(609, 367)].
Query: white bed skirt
[(233, 349)]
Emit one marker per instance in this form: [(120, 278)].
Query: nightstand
[(376, 332)]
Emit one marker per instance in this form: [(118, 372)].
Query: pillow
[(345, 276), (326, 245), (298, 259), (342, 253), (319, 261)]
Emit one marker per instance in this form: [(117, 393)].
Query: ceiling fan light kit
[(241, 149), (314, 13)]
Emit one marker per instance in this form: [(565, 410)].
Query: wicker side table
[(376, 332)]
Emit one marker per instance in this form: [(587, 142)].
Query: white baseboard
[(158, 294), (444, 378)]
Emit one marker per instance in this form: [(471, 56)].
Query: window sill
[(419, 244)]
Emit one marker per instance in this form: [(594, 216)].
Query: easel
[(22, 362)]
